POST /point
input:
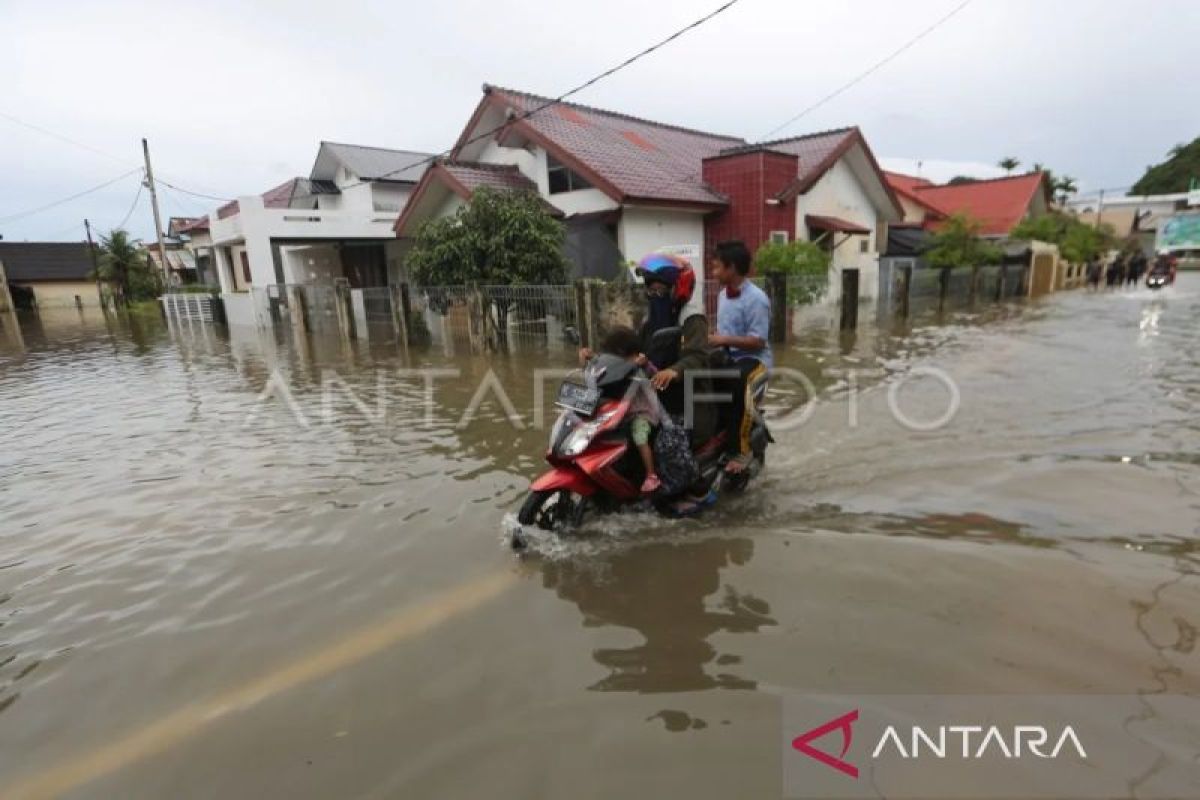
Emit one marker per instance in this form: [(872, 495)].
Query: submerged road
[(200, 596)]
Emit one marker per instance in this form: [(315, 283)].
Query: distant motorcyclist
[(743, 327), (1165, 264)]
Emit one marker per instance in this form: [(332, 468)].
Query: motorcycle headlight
[(578, 439)]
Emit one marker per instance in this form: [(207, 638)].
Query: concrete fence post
[(401, 301), (904, 290), (849, 320), (1001, 281), (297, 308), (476, 322), (597, 310), (341, 308), (973, 288), (581, 312), (777, 291)]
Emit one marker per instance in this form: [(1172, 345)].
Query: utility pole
[(162, 250), (1100, 209), (87, 226)]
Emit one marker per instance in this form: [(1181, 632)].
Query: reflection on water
[(167, 532), (673, 596)]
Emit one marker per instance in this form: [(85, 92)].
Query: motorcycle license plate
[(581, 399)]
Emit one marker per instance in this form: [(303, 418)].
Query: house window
[(864, 246), (563, 179), (246, 267), (779, 237)]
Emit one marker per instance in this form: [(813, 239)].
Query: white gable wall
[(839, 193)]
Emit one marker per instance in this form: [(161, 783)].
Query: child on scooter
[(624, 343)]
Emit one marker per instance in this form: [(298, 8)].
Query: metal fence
[(963, 286), (496, 317)]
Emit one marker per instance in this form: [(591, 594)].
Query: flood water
[(205, 594)]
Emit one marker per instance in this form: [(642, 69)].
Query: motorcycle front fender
[(570, 478)]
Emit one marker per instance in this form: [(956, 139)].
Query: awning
[(836, 224)]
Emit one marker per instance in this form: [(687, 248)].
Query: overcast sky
[(235, 96)]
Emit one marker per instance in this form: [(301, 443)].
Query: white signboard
[(694, 253)]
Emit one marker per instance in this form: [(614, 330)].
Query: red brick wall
[(748, 179)]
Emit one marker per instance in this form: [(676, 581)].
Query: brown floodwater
[(221, 576)]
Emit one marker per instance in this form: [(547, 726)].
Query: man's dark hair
[(734, 254), (622, 341)]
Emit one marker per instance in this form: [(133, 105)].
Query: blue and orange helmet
[(674, 271)]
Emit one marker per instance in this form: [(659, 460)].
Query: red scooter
[(594, 466)]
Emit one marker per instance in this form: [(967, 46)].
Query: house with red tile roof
[(1000, 204), (627, 186)]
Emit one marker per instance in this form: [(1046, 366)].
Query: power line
[(90, 148), (132, 206), (182, 198), (61, 138), (77, 195), (873, 69), (560, 98), (195, 194)]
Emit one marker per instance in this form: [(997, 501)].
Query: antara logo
[(843, 723), (967, 741)]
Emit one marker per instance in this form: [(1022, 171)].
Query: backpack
[(673, 459)]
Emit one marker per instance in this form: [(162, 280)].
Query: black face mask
[(660, 313)]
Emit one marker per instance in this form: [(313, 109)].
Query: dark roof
[(632, 158), (372, 163), (907, 241), (46, 261)]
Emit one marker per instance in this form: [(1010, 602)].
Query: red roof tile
[(669, 170), (496, 176), (999, 204), (906, 183), (277, 197)]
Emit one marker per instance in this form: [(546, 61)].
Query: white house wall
[(646, 230), (840, 194)]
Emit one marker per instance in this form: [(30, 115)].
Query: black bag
[(673, 459)]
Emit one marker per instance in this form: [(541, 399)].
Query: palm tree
[(1008, 164), (1065, 187), (119, 256)]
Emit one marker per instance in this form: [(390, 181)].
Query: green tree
[(796, 259), (1175, 174), (497, 239), (125, 265), (957, 243), (1008, 164), (1077, 241), (1064, 187), (959, 180)]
